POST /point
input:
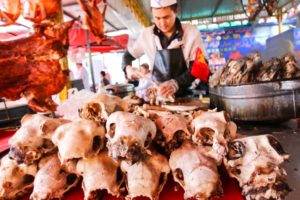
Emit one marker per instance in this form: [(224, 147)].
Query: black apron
[(168, 64)]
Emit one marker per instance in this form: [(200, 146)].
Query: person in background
[(144, 82), (215, 61), (134, 81), (104, 80), (81, 73), (171, 48)]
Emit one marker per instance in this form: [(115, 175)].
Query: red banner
[(200, 68)]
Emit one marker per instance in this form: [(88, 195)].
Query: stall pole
[(279, 19), (63, 94), (90, 62)]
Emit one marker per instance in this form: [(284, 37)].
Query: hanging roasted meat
[(33, 10), (254, 7), (39, 10), (9, 11), (93, 18), (271, 6), (30, 68)]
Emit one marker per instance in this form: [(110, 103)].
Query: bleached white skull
[(100, 106), (78, 139), (129, 135), (255, 162), (33, 139), (15, 180), (146, 177), (51, 180), (213, 130), (99, 173), (172, 130), (195, 171)]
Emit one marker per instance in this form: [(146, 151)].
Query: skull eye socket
[(28, 179), (93, 108), (47, 144), (206, 136), (177, 140), (112, 130), (236, 150), (179, 175), (96, 143), (276, 145), (161, 178), (120, 176), (148, 140), (71, 178)]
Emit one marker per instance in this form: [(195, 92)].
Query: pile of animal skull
[(119, 144), (251, 69)]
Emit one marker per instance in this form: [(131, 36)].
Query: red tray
[(171, 191), (4, 137)]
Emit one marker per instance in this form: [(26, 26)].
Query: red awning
[(77, 38)]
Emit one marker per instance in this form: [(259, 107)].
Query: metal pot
[(120, 90), (274, 100)]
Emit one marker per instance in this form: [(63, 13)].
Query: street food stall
[(113, 144)]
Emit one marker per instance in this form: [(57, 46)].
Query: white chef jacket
[(148, 43), (83, 74)]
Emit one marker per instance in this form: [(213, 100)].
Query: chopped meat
[(155, 99), (9, 11), (39, 10)]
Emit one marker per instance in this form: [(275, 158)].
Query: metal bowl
[(120, 90), (264, 101)]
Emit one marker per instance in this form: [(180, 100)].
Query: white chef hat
[(162, 3)]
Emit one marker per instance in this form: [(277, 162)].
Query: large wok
[(265, 101)]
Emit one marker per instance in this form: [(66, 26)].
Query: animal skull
[(195, 171), (15, 180), (33, 139), (146, 177), (100, 172), (255, 162), (100, 106), (172, 130), (129, 135), (78, 139), (213, 130), (51, 181)]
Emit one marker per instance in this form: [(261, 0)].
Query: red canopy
[(77, 38)]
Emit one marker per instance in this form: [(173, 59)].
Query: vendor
[(171, 48)]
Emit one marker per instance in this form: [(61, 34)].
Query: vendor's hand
[(168, 88), (132, 73)]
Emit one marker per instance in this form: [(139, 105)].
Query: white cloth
[(148, 43), (82, 73), (162, 3), (144, 84)]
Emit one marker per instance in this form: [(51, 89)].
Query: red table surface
[(171, 191)]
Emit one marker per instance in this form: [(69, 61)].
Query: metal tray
[(264, 101)]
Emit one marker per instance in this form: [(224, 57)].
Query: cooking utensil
[(264, 101), (120, 90)]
